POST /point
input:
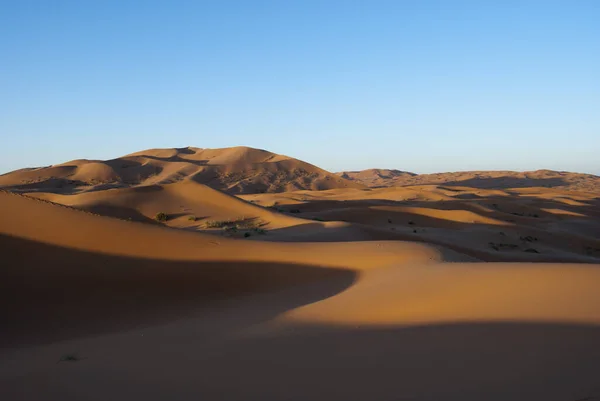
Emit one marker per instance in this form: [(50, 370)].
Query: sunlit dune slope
[(528, 224), (234, 170)]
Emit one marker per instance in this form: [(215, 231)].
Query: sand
[(517, 225), (332, 295), (564, 180), (233, 170)]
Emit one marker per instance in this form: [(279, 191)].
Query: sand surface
[(424, 292), (479, 179), (234, 170)]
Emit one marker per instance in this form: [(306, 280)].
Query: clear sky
[(417, 85)]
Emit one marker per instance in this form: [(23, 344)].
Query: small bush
[(192, 218), (246, 235), (161, 216), (318, 219)]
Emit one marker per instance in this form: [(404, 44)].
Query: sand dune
[(303, 286), (377, 177), (491, 225), (188, 204), (56, 255), (479, 179), (233, 170), (154, 313)]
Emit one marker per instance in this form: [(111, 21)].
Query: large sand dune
[(233, 170), (334, 291)]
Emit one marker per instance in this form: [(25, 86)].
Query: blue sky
[(424, 86)]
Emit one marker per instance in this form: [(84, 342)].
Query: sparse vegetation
[(192, 218), (528, 238), (161, 216), (239, 223), (247, 234)]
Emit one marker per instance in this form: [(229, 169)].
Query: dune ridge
[(563, 180), (233, 170)]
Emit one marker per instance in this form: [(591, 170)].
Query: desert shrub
[(240, 222), (192, 218), (246, 235), (161, 216), (219, 223)]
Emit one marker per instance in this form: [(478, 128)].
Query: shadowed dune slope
[(68, 273), (234, 170)]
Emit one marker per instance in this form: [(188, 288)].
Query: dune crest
[(562, 180), (234, 170)]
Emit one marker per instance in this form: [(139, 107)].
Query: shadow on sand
[(50, 293)]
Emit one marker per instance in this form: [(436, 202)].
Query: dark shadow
[(508, 182), (50, 293), (185, 151), (171, 216), (491, 361)]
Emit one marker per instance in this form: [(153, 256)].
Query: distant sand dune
[(530, 225), (479, 179), (233, 170)]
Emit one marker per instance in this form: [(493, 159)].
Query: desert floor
[(425, 292)]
